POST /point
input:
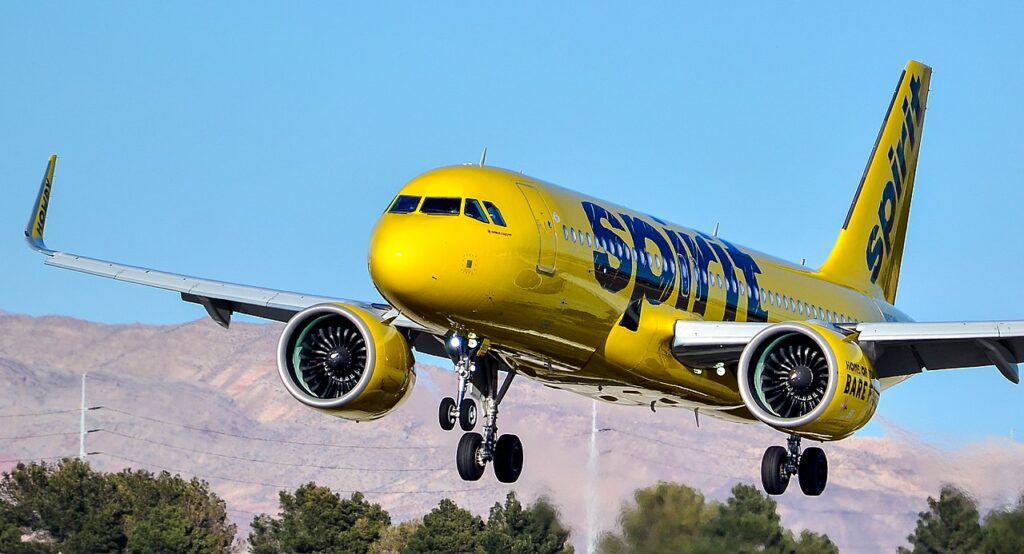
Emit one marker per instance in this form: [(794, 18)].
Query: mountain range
[(202, 401)]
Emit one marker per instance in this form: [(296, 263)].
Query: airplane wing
[(897, 349), (220, 299)]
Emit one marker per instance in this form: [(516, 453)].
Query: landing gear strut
[(463, 352), (476, 450), (780, 463)]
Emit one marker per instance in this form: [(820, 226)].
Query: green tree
[(813, 543), (315, 519), (447, 529), (950, 525), (393, 539), (1003, 531), (166, 513), (536, 529), (76, 510), (748, 522), (665, 518), (63, 500)]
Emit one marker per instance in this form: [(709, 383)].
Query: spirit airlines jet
[(506, 274)]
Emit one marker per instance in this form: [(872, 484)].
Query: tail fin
[(37, 219), (869, 249)]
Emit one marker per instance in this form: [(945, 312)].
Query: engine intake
[(343, 360), (805, 378)]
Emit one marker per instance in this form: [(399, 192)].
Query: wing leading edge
[(220, 299), (896, 349)]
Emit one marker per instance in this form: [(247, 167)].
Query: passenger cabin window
[(404, 204), (495, 214), (473, 209), (441, 206)]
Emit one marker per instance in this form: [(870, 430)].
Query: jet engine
[(808, 379), (345, 361)]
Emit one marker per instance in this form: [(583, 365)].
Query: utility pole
[(593, 500), (81, 428)]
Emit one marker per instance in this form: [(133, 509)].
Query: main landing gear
[(779, 464), (476, 450)]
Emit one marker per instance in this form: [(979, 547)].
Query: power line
[(23, 437), (22, 460), (870, 470), (261, 461), (284, 487), (634, 456), (177, 470), (265, 439), (684, 446), (39, 414)]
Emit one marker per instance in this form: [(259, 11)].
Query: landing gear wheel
[(508, 458), (467, 458), (446, 414), (774, 477), (467, 414), (813, 472)]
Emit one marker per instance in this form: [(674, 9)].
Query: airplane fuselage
[(557, 286)]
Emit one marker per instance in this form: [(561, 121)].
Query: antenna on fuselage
[(483, 157), (715, 232)]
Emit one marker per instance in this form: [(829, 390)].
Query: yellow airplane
[(507, 274)]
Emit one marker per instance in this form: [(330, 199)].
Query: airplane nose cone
[(398, 263), (428, 266)]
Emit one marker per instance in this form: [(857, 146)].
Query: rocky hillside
[(201, 401)]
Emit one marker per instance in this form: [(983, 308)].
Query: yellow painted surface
[(543, 289), (392, 376)]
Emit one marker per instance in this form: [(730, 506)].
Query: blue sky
[(258, 144)]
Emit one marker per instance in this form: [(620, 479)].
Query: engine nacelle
[(345, 361), (807, 379)]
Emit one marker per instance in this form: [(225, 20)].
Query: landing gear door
[(548, 244)]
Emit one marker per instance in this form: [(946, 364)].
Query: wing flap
[(897, 349), (219, 298), (908, 348)]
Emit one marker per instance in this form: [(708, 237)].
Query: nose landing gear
[(476, 450), (463, 351), (779, 464)]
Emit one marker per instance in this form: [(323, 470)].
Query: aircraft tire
[(508, 458), (813, 474), (773, 470), (466, 457), (467, 414), (446, 413)]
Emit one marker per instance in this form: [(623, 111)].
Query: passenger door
[(548, 244)]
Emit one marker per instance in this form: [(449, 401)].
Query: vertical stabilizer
[(869, 249)]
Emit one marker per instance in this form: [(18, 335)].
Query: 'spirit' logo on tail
[(880, 240), (44, 202)]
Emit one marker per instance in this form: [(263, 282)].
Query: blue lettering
[(610, 278)]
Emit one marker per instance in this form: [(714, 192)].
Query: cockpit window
[(495, 214), (441, 206), (404, 204), (474, 210)]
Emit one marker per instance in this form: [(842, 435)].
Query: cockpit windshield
[(474, 210), (441, 206), (495, 214), (432, 205), (404, 204)]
